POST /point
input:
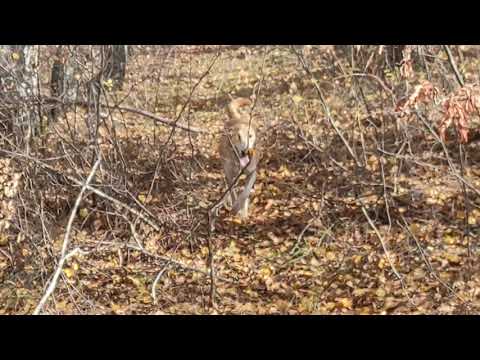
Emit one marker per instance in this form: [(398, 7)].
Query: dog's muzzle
[(245, 157)]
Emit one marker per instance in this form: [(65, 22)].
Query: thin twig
[(154, 286), (427, 261), (66, 240), (147, 114), (211, 264), (161, 119), (466, 232), (174, 263), (325, 107), (453, 64), (382, 241), (89, 187)]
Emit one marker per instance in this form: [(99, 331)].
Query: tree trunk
[(63, 84), (21, 111), (394, 54), (116, 65)]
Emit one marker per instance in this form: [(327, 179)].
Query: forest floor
[(323, 236)]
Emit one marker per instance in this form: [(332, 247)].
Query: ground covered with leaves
[(361, 206)]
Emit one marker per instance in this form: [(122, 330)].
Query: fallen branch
[(175, 263), (156, 118), (160, 119)]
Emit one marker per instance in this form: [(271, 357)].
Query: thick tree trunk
[(63, 84), (394, 54), (21, 112), (116, 65)]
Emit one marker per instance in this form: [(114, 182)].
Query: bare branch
[(453, 64), (64, 256)]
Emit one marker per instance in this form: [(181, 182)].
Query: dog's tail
[(235, 105)]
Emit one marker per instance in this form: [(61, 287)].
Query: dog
[(238, 154)]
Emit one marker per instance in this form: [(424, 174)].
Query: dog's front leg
[(244, 209), (230, 178), (242, 202)]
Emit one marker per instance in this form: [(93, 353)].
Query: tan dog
[(237, 152)]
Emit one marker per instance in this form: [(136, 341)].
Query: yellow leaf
[(330, 256), (272, 189), (147, 299), (357, 259), (186, 253), (297, 99), (453, 258), (142, 198), (15, 56), (83, 213), (265, 272), (69, 272), (449, 239), (372, 160), (330, 306), (443, 196), (108, 84), (360, 292), (62, 306), (178, 109), (364, 311), (3, 239), (237, 220), (380, 293), (285, 172), (137, 282), (345, 302), (314, 262), (117, 309), (204, 251)]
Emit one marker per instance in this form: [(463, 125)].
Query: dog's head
[(243, 139)]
